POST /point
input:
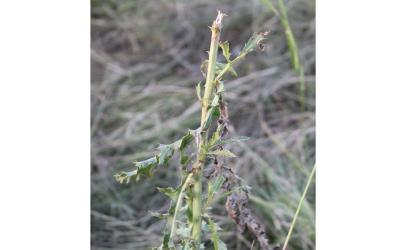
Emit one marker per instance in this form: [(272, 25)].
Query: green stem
[(197, 190), (178, 205), (212, 61), (209, 87), (298, 208), (228, 65)]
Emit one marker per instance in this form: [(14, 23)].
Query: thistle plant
[(188, 223)]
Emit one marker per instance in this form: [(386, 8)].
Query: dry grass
[(145, 57)]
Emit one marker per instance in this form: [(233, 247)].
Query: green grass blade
[(298, 208), (270, 6), (293, 51), (292, 45)]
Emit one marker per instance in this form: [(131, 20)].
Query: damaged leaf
[(254, 42), (148, 167), (145, 167), (225, 50)]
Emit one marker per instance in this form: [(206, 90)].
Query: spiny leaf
[(222, 153), (255, 41), (125, 176), (148, 166), (182, 144), (218, 243), (185, 140), (225, 50), (166, 152), (143, 168)]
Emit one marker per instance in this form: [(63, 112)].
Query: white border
[(358, 111), (45, 125)]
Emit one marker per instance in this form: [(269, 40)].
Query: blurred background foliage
[(145, 63)]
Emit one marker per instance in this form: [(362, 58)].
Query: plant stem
[(298, 208), (178, 205), (209, 87), (212, 60)]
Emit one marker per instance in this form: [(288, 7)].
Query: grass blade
[(298, 208)]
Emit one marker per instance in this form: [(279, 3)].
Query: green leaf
[(182, 144), (215, 138), (212, 114), (143, 168), (170, 192), (223, 153), (255, 40), (185, 141), (225, 50), (176, 196), (184, 159), (218, 243), (166, 152), (167, 244), (147, 167)]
